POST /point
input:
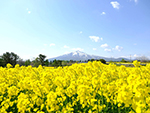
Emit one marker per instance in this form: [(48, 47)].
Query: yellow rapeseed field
[(90, 87)]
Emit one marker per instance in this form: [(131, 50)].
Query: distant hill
[(78, 55)]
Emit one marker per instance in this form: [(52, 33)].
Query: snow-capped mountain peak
[(79, 55), (75, 53)]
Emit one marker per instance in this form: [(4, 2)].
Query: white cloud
[(125, 57), (80, 32), (104, 45), (94, 38), (135, 1), (29, 12), (66, 46), (118, 48), (94, 49), (77, 49), (52, 44), (66, 52), (27, 8), (101, 38), (103, 13), (135, 55), (115, 4), (109, 50)]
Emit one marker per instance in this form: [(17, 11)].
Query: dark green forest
[(13, 59)]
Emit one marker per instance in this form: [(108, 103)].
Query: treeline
[(14, 59)]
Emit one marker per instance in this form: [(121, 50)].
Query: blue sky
[(54, 27)]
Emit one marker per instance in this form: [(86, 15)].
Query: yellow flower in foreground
[(93, 86)]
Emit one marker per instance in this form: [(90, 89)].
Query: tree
[(92, 60), (36, 62), (123, 60), (89, 60), (2, 62), (143, 58), (21, 62), (103, 61), (59, 62), (46, 62), (71, 61), (64, 63), (86, 61), (14, 57), (10, 58), (55, 63), (42, 58), (27, 62), (50, 63)]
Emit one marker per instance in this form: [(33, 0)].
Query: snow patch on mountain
[(79, 55)]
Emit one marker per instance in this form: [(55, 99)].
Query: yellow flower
[(61, 89), (9, 65)]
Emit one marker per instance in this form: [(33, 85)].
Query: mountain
[(78, 55)]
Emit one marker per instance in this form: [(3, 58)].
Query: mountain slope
[(78, 55)]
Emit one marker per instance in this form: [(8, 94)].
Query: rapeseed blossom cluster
[(90, 87)]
